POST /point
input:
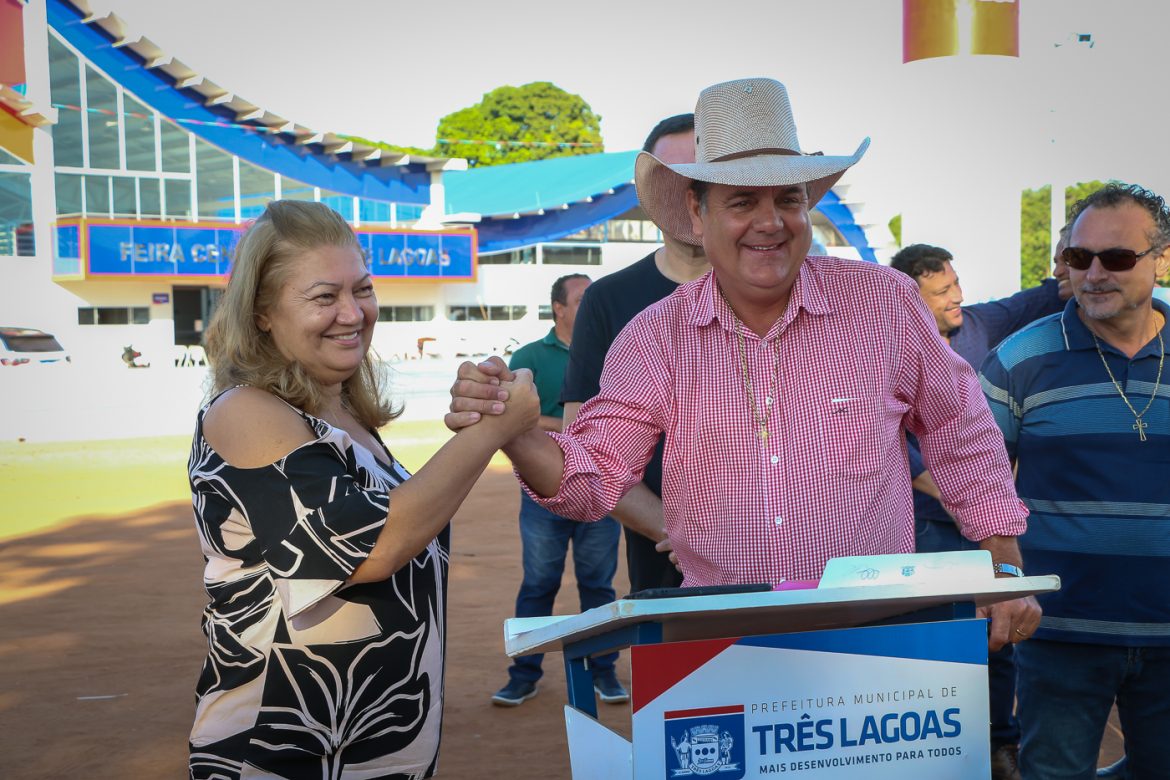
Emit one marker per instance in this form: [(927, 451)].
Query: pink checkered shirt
[(860, 358)]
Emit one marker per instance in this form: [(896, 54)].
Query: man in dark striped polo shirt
[(1085, 409)]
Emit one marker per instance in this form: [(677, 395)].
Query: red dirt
[(110, 606)]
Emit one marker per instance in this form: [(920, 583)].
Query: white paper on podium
[(595, 752), (943, 568)]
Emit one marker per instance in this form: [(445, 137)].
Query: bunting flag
[(498, 143), (501, 143), (945, 28)]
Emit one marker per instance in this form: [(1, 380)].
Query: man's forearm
[(641, 511), (538, 461), (1003, 549), (550, 423), (924, 483)]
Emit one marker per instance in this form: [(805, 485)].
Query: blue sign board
[(193, 250)]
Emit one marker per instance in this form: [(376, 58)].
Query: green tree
[(1035, 240), (896, 229), (517, 124)]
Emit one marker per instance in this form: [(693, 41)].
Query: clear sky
[(389, 70)]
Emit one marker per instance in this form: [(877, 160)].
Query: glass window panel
[(572, 255), (217, 198), (15, 214), (408, 212), (97, 196), (257, 188), (68, 195), (139, 135), (65, 87), (86, 316), (291, 189), (176, 157), (406, 313), (544, 312), (125, 201), (9, 159), (373, 211), (149, 204), (178, 193), (525, 256), (102, 102), (591, 233), (140, 315), (342, 204), (109, 315), (16, 227)]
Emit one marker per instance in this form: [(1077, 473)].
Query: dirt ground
[(100, 648)]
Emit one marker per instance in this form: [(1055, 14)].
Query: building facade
[(125, 178)]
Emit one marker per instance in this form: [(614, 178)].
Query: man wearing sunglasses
[(972, 331), (1085, 409)]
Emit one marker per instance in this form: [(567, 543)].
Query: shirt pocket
[(853, 436)]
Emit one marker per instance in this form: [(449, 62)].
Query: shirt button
[(779, 521), (768, 400), (775, 459)]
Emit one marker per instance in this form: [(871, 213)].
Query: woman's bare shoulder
[(250, 428)]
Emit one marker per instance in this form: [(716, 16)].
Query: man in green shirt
[(545, 537)]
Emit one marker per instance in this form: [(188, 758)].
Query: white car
[(30, 347)]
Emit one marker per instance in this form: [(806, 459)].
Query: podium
[(879, 672)]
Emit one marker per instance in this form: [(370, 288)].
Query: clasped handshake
[(489, 394)]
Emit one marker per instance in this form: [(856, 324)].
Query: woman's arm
[(425, 503)]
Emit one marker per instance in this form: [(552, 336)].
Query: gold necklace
[(761, 418), (1139, 424)]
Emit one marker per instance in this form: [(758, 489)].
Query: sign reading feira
[(124, 249)]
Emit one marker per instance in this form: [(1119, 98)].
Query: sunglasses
[(1080, 258)]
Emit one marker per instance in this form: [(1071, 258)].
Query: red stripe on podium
[(657, 668)]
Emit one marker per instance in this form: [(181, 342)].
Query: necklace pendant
[(764, 433), (1140, 426)]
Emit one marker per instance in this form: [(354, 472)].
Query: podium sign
[(859, 703)]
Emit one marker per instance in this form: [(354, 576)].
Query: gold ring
[(1021, 633)]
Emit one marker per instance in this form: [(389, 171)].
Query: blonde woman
[(326, 561)]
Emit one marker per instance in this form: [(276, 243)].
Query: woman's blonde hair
[(242, 354)]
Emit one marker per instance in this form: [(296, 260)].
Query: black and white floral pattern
[(304, 677)]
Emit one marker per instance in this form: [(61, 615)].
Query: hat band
[(755, 153)]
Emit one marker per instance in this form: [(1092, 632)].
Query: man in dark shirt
[(972, 331), (608, 305)]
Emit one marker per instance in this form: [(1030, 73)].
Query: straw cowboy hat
[(744, 136)]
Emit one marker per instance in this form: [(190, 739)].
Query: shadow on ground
[(101, 647)]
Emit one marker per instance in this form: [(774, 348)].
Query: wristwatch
[(1007, 568)]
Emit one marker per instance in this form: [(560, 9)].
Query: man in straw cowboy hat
[(782, 382)]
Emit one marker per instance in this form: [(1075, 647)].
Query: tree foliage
[(532, 122), (1035, 238), (896, 229)]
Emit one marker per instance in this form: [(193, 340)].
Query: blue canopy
[(528, 203)]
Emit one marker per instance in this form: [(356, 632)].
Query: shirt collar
[(808, 293), (551, 339), (1078, 336)]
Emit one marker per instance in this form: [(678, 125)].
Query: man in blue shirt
[(972, 331), (1085, 410), (544, 536)]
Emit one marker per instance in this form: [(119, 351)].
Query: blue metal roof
[(234, 125), (545, 184), (527, 203), (521, 205)]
